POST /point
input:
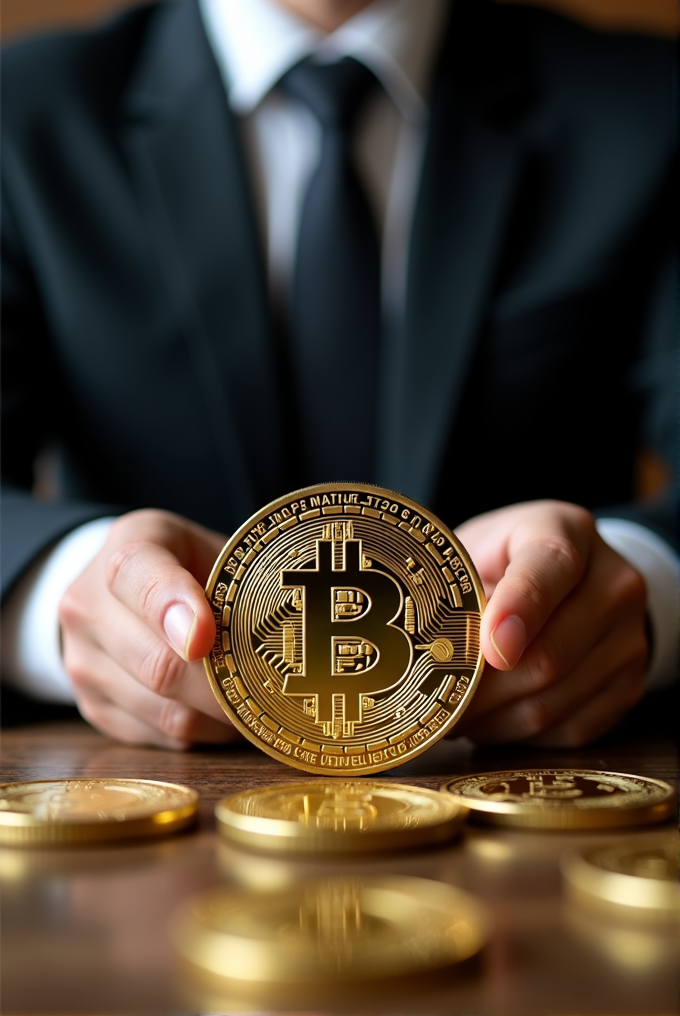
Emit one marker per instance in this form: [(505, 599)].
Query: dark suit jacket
[(536, 351)]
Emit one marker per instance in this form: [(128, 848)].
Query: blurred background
[(655, 16)]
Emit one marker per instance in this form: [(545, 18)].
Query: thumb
[(151, 582), (538, 577)]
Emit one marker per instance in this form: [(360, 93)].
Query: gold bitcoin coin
[(72, 811), (563, 798), (644, 876), (339, 816), (330, 930), (348, 625)]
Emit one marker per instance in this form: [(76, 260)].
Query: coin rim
[(203, 946), (234, 541), (565, 816), (286, 836), (19, 829)]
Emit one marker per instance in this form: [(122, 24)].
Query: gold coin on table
[(339, 816), (639, 875), (563, 798), (81, 811), (330, 930), (348, 625)]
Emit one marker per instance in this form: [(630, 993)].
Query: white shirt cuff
[(31, 645), (658, 564)]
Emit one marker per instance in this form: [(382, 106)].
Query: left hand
[(564, 632)]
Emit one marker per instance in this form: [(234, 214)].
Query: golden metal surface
[(347, 629), (563, 798), (81, 811), (339, 816), (627, 874), (334, 929)]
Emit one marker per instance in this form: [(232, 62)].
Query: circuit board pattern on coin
[(348, 622)]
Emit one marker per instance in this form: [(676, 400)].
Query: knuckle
[(77, 668), (634, 589), (126, 567), (120, 561), (94, 711), (544, 662), (565, 555), (73, 609), (576, 735), (162, 669), (177, 721), (534, 591), (533, 717), (558, 556)]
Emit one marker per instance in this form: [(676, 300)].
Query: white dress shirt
[(254, 44)]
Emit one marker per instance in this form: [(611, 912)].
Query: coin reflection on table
[(330, 931), (639, 879), (339, 816), (256, 871), (632, 944)]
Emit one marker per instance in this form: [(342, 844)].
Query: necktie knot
[(333, 92)]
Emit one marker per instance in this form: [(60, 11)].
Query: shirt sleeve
[(658, 564), (31, 644)]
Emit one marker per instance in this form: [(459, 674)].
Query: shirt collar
[(257, 41)]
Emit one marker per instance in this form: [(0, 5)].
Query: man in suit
[(519, 169)]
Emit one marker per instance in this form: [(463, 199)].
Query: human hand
[(564, 632), (135, 625)]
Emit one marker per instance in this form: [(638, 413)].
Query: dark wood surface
[(86, 930)]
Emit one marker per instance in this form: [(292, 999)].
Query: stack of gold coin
[(639, 876), (339, 816), (563, 798), (330, 931), (348, 621), (81, 811)]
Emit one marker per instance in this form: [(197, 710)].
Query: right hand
[(135, 626)]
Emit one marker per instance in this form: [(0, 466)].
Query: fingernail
[(509, 639), (178, 625)]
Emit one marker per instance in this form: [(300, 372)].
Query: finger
[(115, 722), (149, 580), (538, 578), (532, 715), (598, 715), (153, 663), (195, 547), (571, 633), (116, 703)]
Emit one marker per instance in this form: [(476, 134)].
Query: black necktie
[(335, 302)]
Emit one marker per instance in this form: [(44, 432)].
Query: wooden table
[(86, 930)]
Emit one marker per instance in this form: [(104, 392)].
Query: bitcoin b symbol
[(351, 645)]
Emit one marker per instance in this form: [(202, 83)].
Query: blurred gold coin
[(330, 930), (339, 816), (642, 876), (79, 811), (348, 623), (563, 798)]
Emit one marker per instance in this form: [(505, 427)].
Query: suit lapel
[(185, 157), (470, 173)]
